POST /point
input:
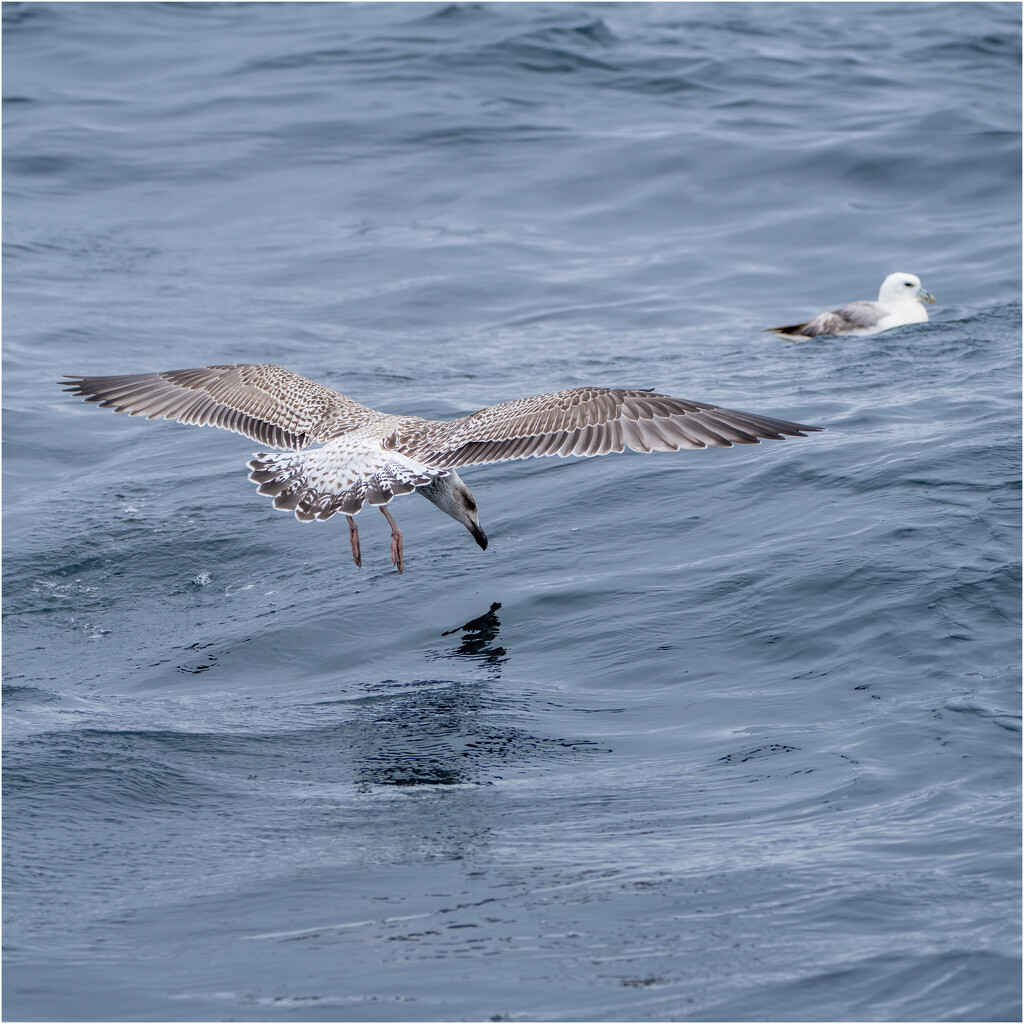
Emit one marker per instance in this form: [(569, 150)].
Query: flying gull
[(899, 303), (370, 457)]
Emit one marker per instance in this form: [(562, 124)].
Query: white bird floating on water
[(371, 456), (899, 303)]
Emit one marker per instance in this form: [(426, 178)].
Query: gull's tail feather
[(318, 483)]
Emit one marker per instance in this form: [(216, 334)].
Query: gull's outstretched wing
[(583, 421), (268, 403)]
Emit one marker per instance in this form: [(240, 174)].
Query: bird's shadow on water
[(455, 732)]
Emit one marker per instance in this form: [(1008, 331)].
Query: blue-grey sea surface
[(719, 735)]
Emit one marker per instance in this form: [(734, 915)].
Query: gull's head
[(900, 287), (453, 497)]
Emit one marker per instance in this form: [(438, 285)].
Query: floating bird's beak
[(478, 535), (926, 296)]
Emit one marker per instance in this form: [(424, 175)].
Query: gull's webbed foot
[(353, 536), (396, 540)]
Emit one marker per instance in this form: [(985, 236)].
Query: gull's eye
[(908, 284), (471, 504)]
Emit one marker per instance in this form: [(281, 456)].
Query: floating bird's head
[(452, 496), (900, 287)]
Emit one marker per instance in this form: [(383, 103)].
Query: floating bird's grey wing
[(268, 403), (854, 316), (584, 421)]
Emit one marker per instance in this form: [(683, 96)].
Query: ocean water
[(718, 735)]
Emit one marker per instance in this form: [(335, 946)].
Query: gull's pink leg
[(396, 539), (353, 536)]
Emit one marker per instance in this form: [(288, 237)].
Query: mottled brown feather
[(583, 421), (268, 403)]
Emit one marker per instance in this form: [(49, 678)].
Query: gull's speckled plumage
[(370, 457)]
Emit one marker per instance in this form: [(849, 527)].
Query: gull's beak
[(478, 535), (925, 296)]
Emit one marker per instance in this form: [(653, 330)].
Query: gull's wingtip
[(795, 332), (803, 429)]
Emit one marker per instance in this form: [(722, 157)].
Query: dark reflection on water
[(422, 739), (478, 636), (454, 733), (451, 733)]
